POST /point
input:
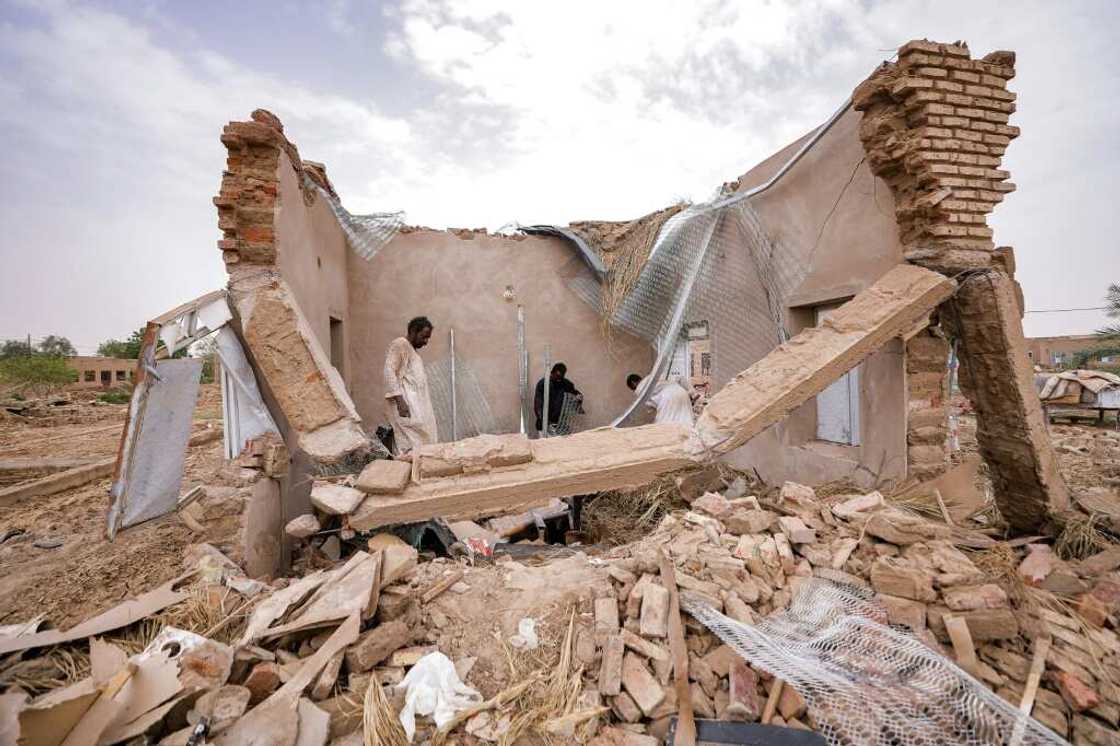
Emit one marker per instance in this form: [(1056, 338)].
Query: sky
[(472, 113)]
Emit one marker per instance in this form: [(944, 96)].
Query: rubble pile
[(294, 659)]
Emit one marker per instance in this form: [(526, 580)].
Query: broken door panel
[(243, 410), (151, 471)]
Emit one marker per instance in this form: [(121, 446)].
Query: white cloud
[(539, 113)]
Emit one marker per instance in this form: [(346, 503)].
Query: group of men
[(409, 402)]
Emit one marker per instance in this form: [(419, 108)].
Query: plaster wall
[(838, 219), (459, 282), (312, 256)]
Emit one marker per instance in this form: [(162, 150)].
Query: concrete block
[(384, 477), (335, 499)]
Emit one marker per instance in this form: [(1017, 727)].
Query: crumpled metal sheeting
[(366, 234)]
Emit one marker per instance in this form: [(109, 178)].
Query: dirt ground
[(87, 573)]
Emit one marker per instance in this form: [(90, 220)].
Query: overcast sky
[(473, 113)]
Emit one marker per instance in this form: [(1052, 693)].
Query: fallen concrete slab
[(579, 464)]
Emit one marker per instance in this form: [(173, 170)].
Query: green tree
[(1112, 311), (56, 346), (14, 347), (39, 374), (128, 349)]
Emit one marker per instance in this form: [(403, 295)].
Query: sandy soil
[(87, 573)]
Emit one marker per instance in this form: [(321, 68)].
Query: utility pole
[(29, 343)]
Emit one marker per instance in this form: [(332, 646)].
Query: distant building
[(101, 372), (1059, 352)]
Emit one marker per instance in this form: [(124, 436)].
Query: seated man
[(670, 399), (558, 387)]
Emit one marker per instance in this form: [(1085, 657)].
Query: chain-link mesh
[(473, 415), (366, 234), (866, 682)]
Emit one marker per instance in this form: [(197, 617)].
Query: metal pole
[(454, 408), (522, 368), (545, 419)]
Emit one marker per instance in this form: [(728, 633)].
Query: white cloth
[(671, 400), (405, 377)]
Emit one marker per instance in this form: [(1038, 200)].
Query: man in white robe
[(670, 399), (408, 401)]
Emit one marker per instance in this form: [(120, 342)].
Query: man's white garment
[(671, 401), (405, 377)]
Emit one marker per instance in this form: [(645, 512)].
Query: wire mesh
[(366, 234), (473, 414), (866, 682), (713, 265)]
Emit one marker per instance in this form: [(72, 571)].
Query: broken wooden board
[(807, 364), (583, 463)]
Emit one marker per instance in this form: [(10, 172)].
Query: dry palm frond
[(59, 666), (380, 724), (1082, 535), (619, 517)]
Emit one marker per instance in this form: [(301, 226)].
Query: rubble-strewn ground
[(87, 573), (726, 550)]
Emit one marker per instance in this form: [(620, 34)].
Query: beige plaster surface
[(460, 283)]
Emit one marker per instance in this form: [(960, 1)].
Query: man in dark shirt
[(558, 386)]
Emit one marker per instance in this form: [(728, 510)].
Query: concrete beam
[(803, 367), (997, 378)]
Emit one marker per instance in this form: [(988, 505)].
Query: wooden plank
[(686, 724), (59, 482), (1034, 676)]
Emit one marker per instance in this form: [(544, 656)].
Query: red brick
[(1077, 694)]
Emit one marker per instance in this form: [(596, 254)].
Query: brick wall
[(935, 128), (927, 424)]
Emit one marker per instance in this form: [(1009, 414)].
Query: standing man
[(558, 386), (670, 399), (408, 402)]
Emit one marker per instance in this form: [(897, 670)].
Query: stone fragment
[(397, 561), (748, 521), (303, 526), (223, 706), (983, 624), (858, 504), (701, 703), (384, 477), (702, 673), (1091, 609), (644, 647), (698, 481), (786, 560), (331, 548), (610, 669), (796, 530), (262, 681), (719, 659), (1077, 694), (712, 503), (891, 577), (797, 493), (841, 551), (904, 611), (901, 528), (409, 656), (606, 616), (790, 703), (967, 598), (328, 677), (1063, 581), (734, 607), (626, 709), (640, 684), (1100, 563), (654, 621), (378, 644), (335, 499), (744, 702)]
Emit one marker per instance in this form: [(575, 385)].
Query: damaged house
[(819, 302), (817, 298)]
